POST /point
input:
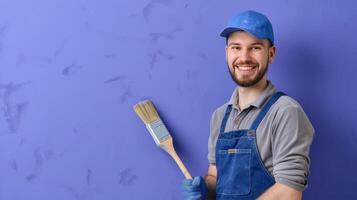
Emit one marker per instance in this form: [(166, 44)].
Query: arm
[(211, 181), (280, 192), (291, 140), (211, 177)]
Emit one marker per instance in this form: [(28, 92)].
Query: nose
[(243, 56)]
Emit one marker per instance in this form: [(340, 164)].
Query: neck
[(249, 94)]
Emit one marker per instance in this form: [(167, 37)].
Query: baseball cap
[(252, 22)]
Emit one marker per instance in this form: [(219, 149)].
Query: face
[(248, 58)]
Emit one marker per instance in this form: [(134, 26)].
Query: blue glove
[(194, 189)]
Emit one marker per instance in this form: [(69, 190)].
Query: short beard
[(248, 83)]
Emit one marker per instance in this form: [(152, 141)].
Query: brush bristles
[(146, 111)]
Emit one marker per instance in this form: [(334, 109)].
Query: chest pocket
[(235, 165)]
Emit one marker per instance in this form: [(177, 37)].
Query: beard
[(248, 82)]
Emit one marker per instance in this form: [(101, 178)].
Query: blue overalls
[(241, 173)]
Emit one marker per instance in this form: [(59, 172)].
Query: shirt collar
[(267, 92)]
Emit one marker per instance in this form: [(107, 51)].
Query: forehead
[(245, 38)]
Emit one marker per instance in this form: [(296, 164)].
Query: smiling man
[(260, 139)]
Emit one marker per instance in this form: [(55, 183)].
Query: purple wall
[(70, 72)]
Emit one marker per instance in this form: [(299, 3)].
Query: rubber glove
[(194, 189)]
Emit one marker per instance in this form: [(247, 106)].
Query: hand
[(194, 189)]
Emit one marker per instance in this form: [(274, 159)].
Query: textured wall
[(70, 72)]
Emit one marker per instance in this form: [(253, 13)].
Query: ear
[(226, 53), (271, 54)]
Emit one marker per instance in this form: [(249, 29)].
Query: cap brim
[(227, 31)]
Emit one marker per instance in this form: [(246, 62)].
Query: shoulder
[(286, 102), (286, 105), (288, 111), (216, 118), (218, 113)]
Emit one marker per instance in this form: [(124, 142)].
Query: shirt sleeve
[(292, 137), (215, 124)]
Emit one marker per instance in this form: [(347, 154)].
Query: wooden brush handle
[(169, 148)]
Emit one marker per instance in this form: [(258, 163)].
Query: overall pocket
[(233, 168)]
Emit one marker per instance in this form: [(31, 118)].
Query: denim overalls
[(241, 173)]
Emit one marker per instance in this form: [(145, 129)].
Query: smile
[(245, 69)]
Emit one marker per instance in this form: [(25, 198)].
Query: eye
[(236, 48), (257, 48)]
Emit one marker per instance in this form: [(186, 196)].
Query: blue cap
[(252, 22)]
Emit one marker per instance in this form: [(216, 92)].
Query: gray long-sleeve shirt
[(283, 137)]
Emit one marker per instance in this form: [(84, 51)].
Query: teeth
[(245, 68)]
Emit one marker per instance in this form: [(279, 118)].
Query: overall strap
[(225, 118), (265, 109)]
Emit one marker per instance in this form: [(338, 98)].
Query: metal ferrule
[(158, 131)]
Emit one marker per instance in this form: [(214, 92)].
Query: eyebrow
[(255, 43)]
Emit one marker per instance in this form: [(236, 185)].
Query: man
[(259, 142)]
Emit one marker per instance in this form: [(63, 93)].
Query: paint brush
[(148, 114)]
